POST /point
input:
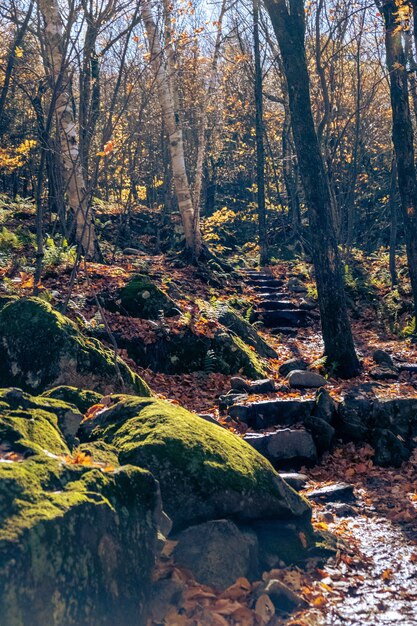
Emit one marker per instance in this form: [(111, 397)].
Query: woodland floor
[(373, 579)]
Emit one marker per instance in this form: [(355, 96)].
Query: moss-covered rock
[(141, 297), (235, 322), (41, 348), (77, 541), (83, 399), (204, 472), (191, 352)]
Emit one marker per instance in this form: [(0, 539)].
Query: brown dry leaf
[(303, 539), (238, 591), (244, 617), (387, 574), (93, 411), (264, 608), (224, 606)]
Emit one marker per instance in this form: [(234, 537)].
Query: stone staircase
[(276, 308)]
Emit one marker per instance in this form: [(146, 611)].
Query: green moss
[(68, 546), (234, 322), (142, 298), (234, 356), (205, 472), (70, 534), (100, 452), (40, 348), (83, 399)]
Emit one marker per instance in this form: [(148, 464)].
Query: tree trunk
[(288, 21), (394, 224), (68, 130), (402, 136), (259, 130), (163, 79)]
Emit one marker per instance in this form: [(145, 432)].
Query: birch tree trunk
[(165, 83), (67, 129), (207, 99)]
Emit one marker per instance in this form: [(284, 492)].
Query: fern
[(209, 364)]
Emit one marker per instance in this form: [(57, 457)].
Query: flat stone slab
[(305, 379), (277, 305), (294, 480), (339, 492), (267, 413), (285, 317), (408, 367), (285, 448)]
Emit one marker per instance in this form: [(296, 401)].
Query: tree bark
[(163, 80), (288, 20), (259, 132), (68, 130), (402, 136)]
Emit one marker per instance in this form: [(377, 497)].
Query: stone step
[(266, 413), (263, 289), (276, 305), (288, 318), (264, 282), (286, 448), (284, 330), (275, 296)]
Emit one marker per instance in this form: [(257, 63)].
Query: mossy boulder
[(77, 540), (141, 297), (83, 399), (205, 472), (238, 325), (40, 348), (191, 352)]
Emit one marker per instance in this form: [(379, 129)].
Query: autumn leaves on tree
[(267, 110)]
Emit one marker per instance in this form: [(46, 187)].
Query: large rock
[(259, 415), (141, 297), (234, 322), (217, 553), (395, 414), (305, 379), (355, 414), (285, 448), (77, 543), (390, 449), (191, 352), (205, 472), (40, 348), (83, 399)]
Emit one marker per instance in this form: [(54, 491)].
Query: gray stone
[(283, 598), (395, 414), (294, 480), (266, 385), (326, 407), (284, 330), (259, 415), (208, 417), (339, 492), (230, 399), (323, 433), (306, 379), (239, 384), (382, 358), (285, 448), (291, 365), (288, 318), (408, 367), (217, 553), (384, 372), (355, 414), (390, 449)]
